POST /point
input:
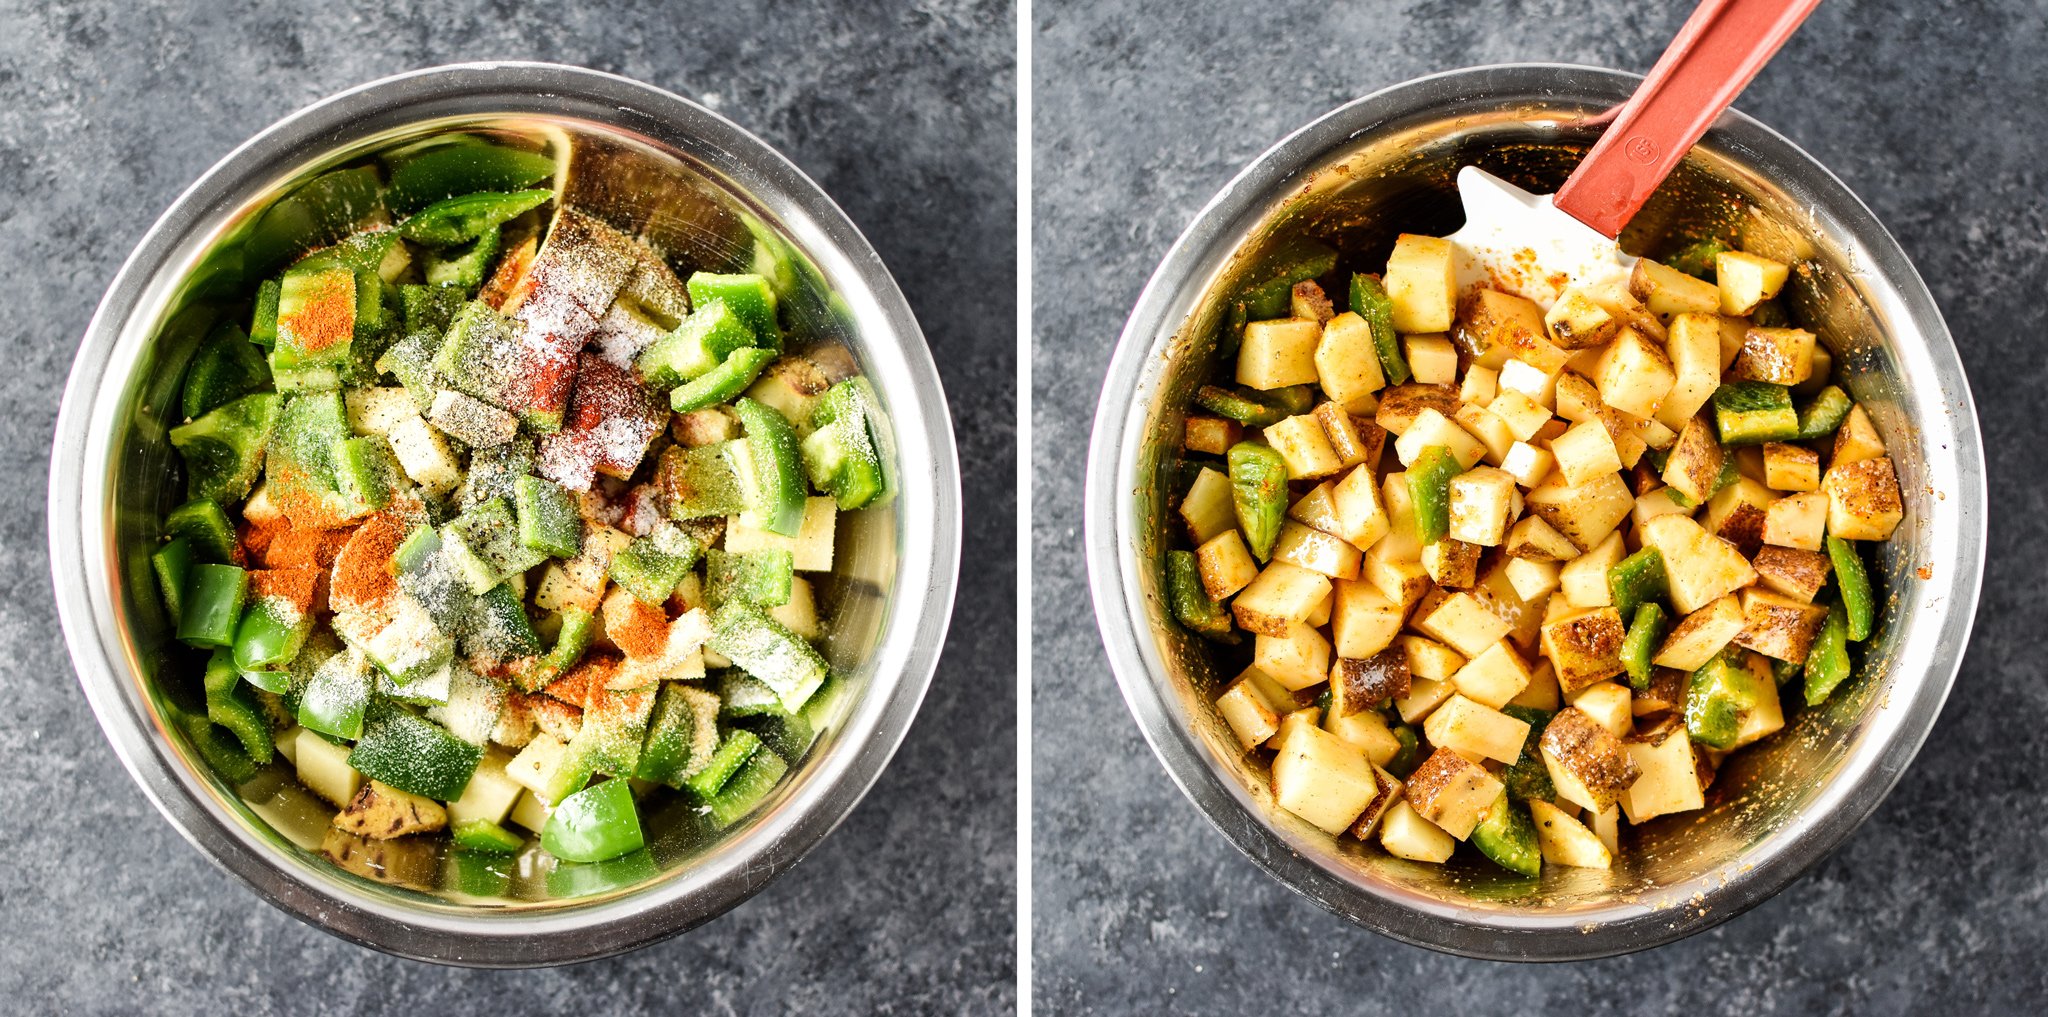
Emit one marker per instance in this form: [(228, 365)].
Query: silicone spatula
[(1528, 243)]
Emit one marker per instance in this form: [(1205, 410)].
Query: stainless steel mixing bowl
[(1384, 164), (715, 197)]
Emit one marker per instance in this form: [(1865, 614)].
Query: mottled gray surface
[(902, 113), (1930, 112)]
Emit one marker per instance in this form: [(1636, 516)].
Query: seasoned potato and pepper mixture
[(1512, 575)]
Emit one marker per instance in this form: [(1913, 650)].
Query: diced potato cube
[(1431, 359), (1789, 467), (1856, 440), (1424, 696), (1476, 731), (1696, 461), (1405, 834), (1737, 514), (1278, 353), (1452, 792), (1667, 291), (1281, 597), (1463, 622), (1608, 703), (1363, 620), (1657, 502), (1731, 331), (1566, 841), (1389, 795), (1779, 626), (1863, 499), (1303, 447), (1452, 563), (1693, 345), (1315, 508), (1790, 571), (1361, 516), (1347, 364), (1433, 428), (799, 613), (1590, 767), (1584, 579), (322, 767), (1400, 405), (1531, 579), (377, 410), (1322, 778), (1207, 508), (1421, 284), (1398, 576), (1428, 659), (1798, 521), (1527, 463), (1250, 718), (1307, 300), (1362, 685), (811, 548), (1584, 453), (1782, 356), (1480, 385), (1745, 280), (1501, 325), (1634, 375), (490, 793), (1493, 678), (1210, 435), (1491, 431), (1316, 551), (1226, 565), (1766, 715), (424, 455), (1539, 385), (1584, 647), (1367, 729), (1670, 780), (1700, 635), (1297, 660), (1481, 499), (1701, 567), (1584, 514), (1321, 615), (1577, 322), (1353, 441), (1523, 416), (1535, 540)]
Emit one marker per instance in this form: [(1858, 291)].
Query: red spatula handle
[(1719, 50)]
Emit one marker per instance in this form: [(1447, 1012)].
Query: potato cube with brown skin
[(1481, 499), (1584, 514), (1405, 834), (1566, 841), (1491, 431), (1307, 300), (1696, 461), (1531, 580), (1361, 685), (1634, 375), (1699, 566), (1584, 453), (1856, 440), (1527, 463), (1303, 447), (1476, 731), (1250, 717), (1494, 677), (1535, 540), (1297, 660), (1479, 386), (1361, 514), (1452, 792), (1789, 467), (1429, 660), (1211, 435), (1584, 647), (1353, 441), (1390, 792), (1463, 622), (1497, 327), (1431, 359), (1276, 354), (1778, 626), (1322, 778), (1667, 291), (1590, 767), (1316, 551), (1700, 635), (1347, 365), (1431, 428), (1737, 513), (1668, 781), (1522, 414), (1666, 692), (1694, 347), (381, 812), (1745, 280), (1421, 283), (1401, 405), (1577, 322), (1863, 499), (1226, 565), (1451, 563), (1281, 597), (1796, 574), (1782, 356), (1398, 577), (1798, 521)]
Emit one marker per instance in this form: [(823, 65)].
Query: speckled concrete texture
[(1930, 112), (902, 112)]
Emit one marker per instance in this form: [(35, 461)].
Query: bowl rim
[(83, 561), (1112, 528)]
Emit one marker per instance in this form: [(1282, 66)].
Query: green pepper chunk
[(270, 636), (840, 452), (485, 836), (1507, 836), (463, 268), (1247, 407), (212, 605), (1827, 662), (748, 295), (1636, 580), (226, 368), (747, 789), (1258, 489), (413, 754), (683, 719), (229, 704), (1296, 260), (771, 473), (496, 627), (1369, 300), (1429, 486), (1858, 602), (548, 521), (764, 577), (1753, 412), (1190, 602), (1696, 259), (460, 220), (579, 627), (366, 471), (733, 753), (202, 524), (594, 824), (1715, 700), (263, 318), (1529, 779), (484, 543), (221, 750), (337, 696), (1646, 631), (650, 567), (709, 334), (722, 383), (1409, 755), (223, 450), (172, 564), (1822, 416), (745, 634)]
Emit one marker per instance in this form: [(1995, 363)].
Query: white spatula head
[(1521, 243)]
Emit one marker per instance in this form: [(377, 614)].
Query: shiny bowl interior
[(1385, 164), (713, 198)]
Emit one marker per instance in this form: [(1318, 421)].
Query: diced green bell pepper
[(263, 317), (451, 167), (212, 605), (230, 704), (840, 452), (460, 220), (1646, 631), (741, 695), (1753, 412), (1409, 755), (1529, 779), (1827, 662), (683, 723), (1252, 409), (486, 836), (594, 824), (226, 368), (747, 789), (474, 354), (749, 296), (1429, 487), (614, 727), (1507, 835), (1369, 300), (1190, 601), (578, 628), (301, 467), (429, 308), (651, 566), (205, 526), (709, 334), (1636, 580), (1858, 602), (337, 696), (414, 754), (771, 474), (1820, 418), (270, 635), (172, 564), (223, 450), (701, 482), (763, 577), (462, 269), (1696, 259), (366, 472), (485, 546), (733, 753), (548, 520), (746, 635), (1258, 492), (722, 383), (786, 735), (1715, 700), (496, 627), (221, 750)]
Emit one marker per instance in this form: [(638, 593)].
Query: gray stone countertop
[(108, 110), (1931, 112)]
